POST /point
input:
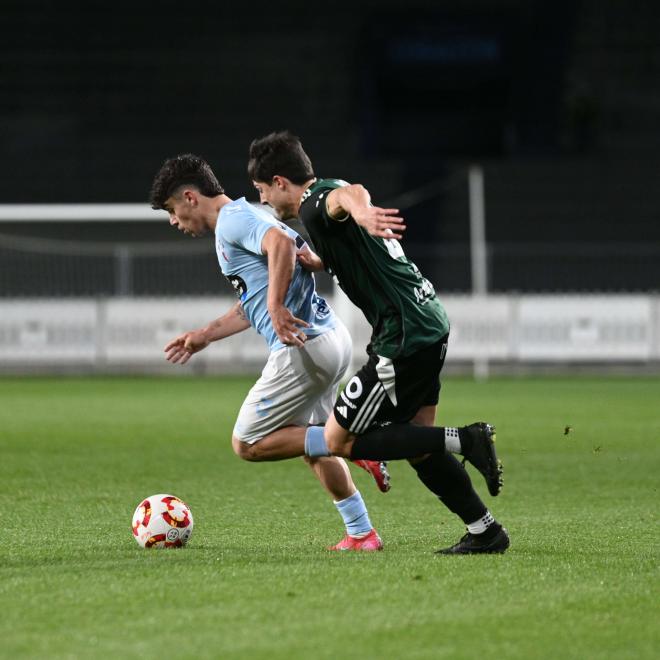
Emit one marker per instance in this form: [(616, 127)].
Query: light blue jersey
[(241, 228)]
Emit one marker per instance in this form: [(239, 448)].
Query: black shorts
[(386, 390)]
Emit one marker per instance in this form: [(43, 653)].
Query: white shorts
[(297, 387)]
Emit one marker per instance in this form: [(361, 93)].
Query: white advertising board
[(132, 332)]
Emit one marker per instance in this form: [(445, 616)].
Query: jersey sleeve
[(245, 229)]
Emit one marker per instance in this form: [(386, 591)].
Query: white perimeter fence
[(128, 334)]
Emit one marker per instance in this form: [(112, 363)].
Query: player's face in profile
[(277, 197), (185, 216)]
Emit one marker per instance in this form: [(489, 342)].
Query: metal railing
[(41, 266)]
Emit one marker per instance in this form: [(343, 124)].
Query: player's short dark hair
[(279, 153), (183, 170)]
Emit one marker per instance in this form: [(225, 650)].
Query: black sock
[(444, 476), (397, 441), (465, 439)]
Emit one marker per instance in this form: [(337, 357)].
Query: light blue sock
[(315, 442), (354, 512)]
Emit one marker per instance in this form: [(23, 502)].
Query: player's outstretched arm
[(280, 249), (183, 347), (354, 200)]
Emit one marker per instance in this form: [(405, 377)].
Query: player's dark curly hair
[(183, 170), (279, 153)]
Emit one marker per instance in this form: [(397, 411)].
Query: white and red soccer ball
[(162, 521)]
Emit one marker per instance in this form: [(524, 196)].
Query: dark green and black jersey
[(399, 303)]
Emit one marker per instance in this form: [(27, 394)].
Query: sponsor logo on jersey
[(343, 411), (350, 404), (239, 286), (424, 293)]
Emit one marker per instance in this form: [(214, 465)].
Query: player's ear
[(279, 181), (190, 196)]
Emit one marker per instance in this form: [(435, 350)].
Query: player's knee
[(417, 459), (339, 445), (337, 439), (245, 450), (425, 416)]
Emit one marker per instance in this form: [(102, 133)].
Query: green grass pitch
[(78, 455)]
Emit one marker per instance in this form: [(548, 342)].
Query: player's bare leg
[(425, 416), (339, 443), (287, 442), (338, 439), (334, 475)]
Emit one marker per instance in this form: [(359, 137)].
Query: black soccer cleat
[(482, 455), (474, 544)]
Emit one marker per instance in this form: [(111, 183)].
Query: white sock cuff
[(452, 440), (481, 525)]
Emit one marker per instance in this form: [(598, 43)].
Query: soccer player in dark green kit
[(387, 409)]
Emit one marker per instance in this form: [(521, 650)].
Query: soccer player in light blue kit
[(299, 383)]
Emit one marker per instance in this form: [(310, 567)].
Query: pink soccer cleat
[(369, 543), (378, 470)]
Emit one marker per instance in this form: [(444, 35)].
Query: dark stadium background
[(559, 101)]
